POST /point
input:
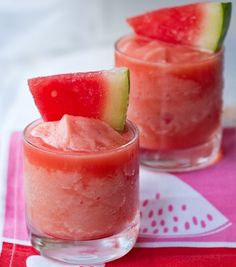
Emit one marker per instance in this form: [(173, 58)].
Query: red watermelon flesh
[(163, 24), (202, 25), (100, 94)]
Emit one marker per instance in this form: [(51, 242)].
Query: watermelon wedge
[(202, 25), (101, 94)]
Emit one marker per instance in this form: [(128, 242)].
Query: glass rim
[(48, 150), (169, 64)]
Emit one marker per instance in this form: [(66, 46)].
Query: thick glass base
[(87, 252), (185, 159)]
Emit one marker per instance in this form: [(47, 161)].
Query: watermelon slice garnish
[(100, 94), (202, 25)]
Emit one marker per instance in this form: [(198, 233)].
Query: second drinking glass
[(176, 101)]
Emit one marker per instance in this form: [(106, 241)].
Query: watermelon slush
[(81, 183), (175, 99)]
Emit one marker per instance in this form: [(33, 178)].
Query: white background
[(56, 36)]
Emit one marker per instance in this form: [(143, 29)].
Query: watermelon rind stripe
[(211, 26), (117, 98), (215, 25), (227, 11)]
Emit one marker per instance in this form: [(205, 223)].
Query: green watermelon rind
[(216, 25), (226, 13), (117, 99)]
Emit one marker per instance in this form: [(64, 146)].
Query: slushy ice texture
[(176, 92), (81, 178)]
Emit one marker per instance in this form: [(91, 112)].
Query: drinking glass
[(175, 100), (82, 208)]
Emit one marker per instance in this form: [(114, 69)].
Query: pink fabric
[(218, 185), (208, 214), (14, 226)]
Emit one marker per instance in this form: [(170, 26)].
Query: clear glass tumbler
[(82, 208), (175, 100)]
